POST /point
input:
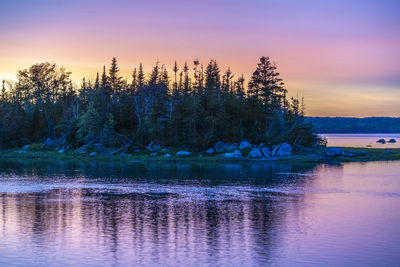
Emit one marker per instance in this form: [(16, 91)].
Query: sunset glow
[(344, 58)]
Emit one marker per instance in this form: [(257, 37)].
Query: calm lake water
[(68, 214), (362, 140)]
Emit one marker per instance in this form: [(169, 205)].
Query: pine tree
[(175, 69), (266, 85), (141, 79), (97, 82), (114, 79)]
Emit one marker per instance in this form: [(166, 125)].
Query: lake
[(362, 140), (236, 214)]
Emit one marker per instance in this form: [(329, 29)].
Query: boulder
[(62, 150), (93, 154), (219, 147), (282, 150), (81, 150), (334, 152), (229, 147), (210, 151), (99, 147), (362, 153), (266, 152), (350, 153), (235, 154), (392, 141), (244, 145), (164, 150), (382, 141), (255, 153), (48, 142), (167, 155), (183, 153), (154, 154), (26, 147)]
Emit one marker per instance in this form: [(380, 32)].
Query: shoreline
[(371, 154)]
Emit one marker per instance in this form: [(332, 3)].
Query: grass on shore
[(372, 154)]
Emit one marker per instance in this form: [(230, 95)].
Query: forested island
[(193, 108)]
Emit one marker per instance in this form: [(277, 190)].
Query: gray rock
[(99, 147), (350, 153), (62, 150), (382, 141), (154, 154), (81, 150), (93, 154), (282, 150), (362, 153), (392, 141), (229, 147), (266, 152), (48, 142), (167, 155), (26, 147), (334, 152), (210, 151), (164, 150), (244, 145), (183, 153), (255, 153), (219, 147), (235, 154)]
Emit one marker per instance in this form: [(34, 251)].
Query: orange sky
[(344, 58)]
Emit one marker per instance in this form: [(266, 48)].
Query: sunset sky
[(342, 56)]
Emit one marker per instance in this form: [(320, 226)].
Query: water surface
[(362, 140), (66, 214)]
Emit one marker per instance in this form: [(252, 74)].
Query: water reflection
[(231, 215)]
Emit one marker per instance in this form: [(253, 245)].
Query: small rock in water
[(154, 154), (93, 154), (392, 141), (26, 147), (167, 155), (183, 153), (382, 141)]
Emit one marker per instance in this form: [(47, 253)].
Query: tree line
[(191, 107)]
